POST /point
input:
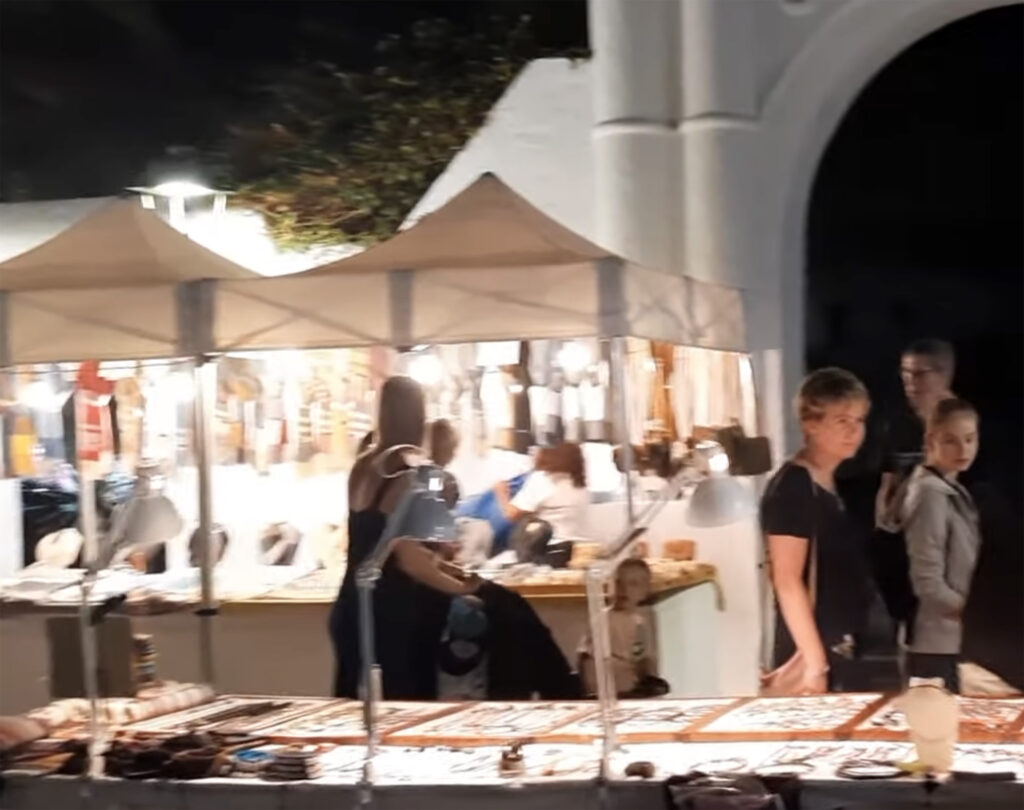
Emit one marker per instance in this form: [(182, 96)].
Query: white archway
[(802, 113)]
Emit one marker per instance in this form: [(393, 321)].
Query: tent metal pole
[(618, 376), (205, 392)]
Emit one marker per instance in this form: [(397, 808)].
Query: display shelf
[(822, 717), (492, 723), (341, 722), (229, 714), (982, 720), (639, 721)]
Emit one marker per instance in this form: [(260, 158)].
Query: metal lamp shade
[(719, 500), (144, 521)]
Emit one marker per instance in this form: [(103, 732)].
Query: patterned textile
[(148, 703)]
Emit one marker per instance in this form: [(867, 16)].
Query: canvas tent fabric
[(488, 265), (118, 283)]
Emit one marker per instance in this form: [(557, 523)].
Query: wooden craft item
[(680, 550), (341, 722), (821, 717), (982, 720), (643, 721), (492, 723), (234, 714)]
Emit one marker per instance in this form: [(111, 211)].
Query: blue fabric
[(485, 506), (466, 621)]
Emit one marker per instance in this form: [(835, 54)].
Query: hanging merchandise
[(537, 392), (22, 443), (593, 406), (127, 403), (93, 434), (496, 402), (662, 415), (519, 385), (572, 419), (640, 367)]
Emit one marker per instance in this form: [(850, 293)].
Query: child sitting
[(634, 654)]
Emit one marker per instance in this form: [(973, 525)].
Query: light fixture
[(573, 357), (176, 192), (38, 395), (180, 385), (719, 499), (148, 519), (426, 369)]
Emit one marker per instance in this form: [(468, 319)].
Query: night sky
[(915, 227), (915, 221), (92, 90)]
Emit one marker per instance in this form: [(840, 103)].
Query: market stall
[(293, 616), (522, 331), (486, 273), (306, 752)]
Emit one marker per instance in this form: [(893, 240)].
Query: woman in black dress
[(818, 563), (412, 597)]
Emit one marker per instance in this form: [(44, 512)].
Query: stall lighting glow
[(650, 365), (38, 395), (718, 463), (425, 369), (182, 188), (515, 388), (179, 385), (574, 357)]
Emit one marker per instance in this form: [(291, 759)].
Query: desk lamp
[(718, 500), (420, 515)]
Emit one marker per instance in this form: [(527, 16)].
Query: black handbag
[(698, 791)]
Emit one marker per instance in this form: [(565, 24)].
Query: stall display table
[(448, 756), (292, 620)]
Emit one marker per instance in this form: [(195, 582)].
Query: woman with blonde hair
[(411, 600), (817, 560)]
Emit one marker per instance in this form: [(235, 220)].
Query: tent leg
[(205, 392), (618, 377)]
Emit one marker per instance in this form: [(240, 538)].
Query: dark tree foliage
[(330, 155)]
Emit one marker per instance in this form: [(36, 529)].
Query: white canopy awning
[(118, 283), (486, 266)]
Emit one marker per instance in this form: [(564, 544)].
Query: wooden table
[(277, 645)]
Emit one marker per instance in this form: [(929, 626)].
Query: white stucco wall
[(720, 110), (537, 139)]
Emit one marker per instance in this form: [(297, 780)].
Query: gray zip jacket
[(940, 523)]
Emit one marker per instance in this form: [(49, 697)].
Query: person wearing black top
[(413, 594), (926, 371), (818, 566), (413, 597)]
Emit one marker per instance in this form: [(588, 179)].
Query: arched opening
[(914, 224), (914, 230)]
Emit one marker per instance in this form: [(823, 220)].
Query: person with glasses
[(926, 372)]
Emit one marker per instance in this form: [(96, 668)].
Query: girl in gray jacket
[(943, 540)]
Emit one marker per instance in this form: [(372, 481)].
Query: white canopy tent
[(486, 266), (121, 284), (117, 284)]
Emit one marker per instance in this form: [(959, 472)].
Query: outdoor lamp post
[(176, 193)]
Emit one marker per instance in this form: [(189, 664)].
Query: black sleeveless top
[(409, 618), (794, 505)]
